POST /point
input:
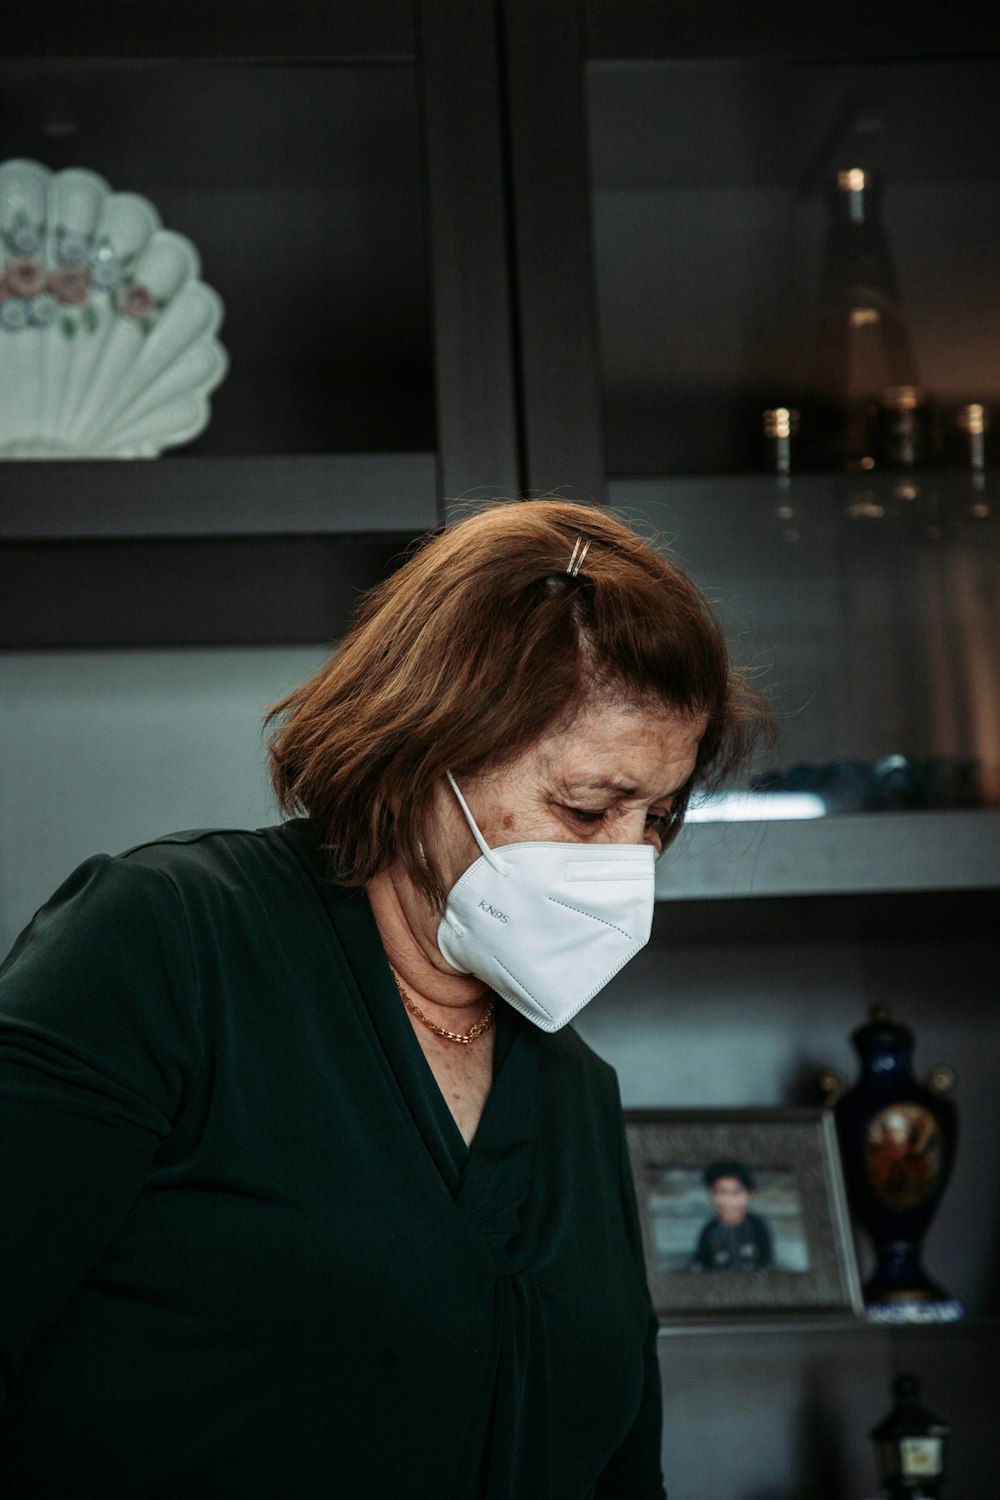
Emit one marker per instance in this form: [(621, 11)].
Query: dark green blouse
[(244, 1249)]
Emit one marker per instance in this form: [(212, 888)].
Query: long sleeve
[(99, 1040), (234, 1247), (634, 1471)]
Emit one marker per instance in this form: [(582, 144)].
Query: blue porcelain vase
[(897, 1141)]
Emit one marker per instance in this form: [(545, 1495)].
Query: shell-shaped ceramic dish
[(107, 335)]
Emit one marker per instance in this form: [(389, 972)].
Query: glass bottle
[(904, 444), (864, 347), (971, 422), (781, 427), (904, 427)]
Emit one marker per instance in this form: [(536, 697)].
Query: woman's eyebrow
[(602, 784), (610, 784)]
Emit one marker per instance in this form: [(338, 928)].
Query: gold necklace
[(464, 1038)]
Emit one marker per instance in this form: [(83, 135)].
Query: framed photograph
[(743, 1212)]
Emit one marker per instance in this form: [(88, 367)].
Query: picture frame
[(743, 1213)]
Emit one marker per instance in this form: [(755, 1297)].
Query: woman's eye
[(586, 814), (665, 826)]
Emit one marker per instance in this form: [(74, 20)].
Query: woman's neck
[(408, 926)]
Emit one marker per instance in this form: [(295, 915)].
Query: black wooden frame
[(560, 397), (469, 251)]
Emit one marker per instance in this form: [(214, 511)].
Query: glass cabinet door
[(800, 234), (338, 171), (300, 186), (796, 266)]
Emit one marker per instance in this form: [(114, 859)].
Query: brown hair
[(480, 644)]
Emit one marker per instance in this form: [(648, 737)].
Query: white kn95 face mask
[(546, 925)]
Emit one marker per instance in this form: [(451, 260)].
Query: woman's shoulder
[(218, 854), (198, 851), (147, 885), (209, 866)]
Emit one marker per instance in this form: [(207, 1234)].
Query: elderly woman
[(306, 1190)]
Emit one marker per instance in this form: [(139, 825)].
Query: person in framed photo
[(734, 1239)]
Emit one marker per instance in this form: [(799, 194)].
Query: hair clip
[(579, 553)]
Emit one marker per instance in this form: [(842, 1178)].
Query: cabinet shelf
[(852, 853), (828, 491), (308, 494), (967, 1328)]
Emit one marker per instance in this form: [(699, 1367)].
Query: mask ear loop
[(488, 853)]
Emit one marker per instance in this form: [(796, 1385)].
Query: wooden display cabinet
[(475, 249)]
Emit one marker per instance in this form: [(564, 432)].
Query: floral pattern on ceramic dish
[(68, 296), (107, 333)]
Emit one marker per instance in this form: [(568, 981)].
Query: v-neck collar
[(357, 931)]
